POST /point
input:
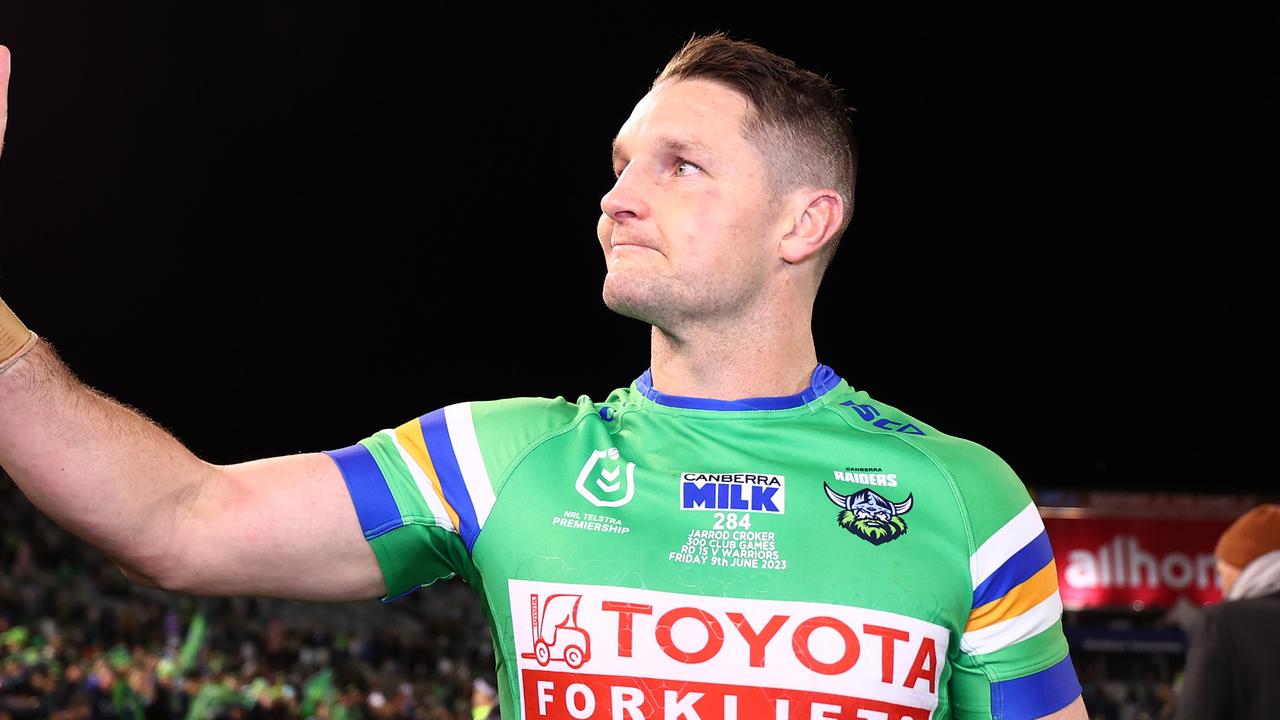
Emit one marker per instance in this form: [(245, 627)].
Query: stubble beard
[(669, 303), (645, 298)]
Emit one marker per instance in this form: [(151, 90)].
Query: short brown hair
[(800, 121)]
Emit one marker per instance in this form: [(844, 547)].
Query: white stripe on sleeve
[(462, 433), (1005, 543)]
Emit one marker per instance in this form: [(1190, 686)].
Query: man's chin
[(627, 300)]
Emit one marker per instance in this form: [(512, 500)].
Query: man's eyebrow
[(668, 143)]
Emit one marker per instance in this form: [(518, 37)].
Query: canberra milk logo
[(750, 492), (601, 480), (870, 516)]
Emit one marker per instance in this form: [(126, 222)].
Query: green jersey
[(810, 557)]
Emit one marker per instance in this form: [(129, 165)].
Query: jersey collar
[(821, 381)]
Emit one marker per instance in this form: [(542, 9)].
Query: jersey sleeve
[(1013, 660), (424, 489)]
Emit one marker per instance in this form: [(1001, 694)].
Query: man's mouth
[(627, 243)]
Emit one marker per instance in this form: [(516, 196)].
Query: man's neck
[(745, 360)]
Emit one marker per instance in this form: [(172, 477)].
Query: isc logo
[(748, 492)]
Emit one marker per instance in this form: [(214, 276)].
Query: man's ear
[(815, 216)]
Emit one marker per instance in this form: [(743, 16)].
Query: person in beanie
[(1233, 666)]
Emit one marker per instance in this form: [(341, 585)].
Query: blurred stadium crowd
[(78, 641)]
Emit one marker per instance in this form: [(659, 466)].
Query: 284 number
[(732, 521)]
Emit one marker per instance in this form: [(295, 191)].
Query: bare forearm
[(96, 467)]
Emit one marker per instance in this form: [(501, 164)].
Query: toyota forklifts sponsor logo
[(588, 652), (748, 492), (606, 480), (556, 635)]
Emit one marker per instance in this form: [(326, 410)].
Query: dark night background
[(278, 228)]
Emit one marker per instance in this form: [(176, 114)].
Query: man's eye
[(617, 173), (686, 162)]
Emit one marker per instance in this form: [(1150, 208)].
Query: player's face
[(685, 228)]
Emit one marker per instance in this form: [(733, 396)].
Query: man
[(1234, 656), (738, 533)]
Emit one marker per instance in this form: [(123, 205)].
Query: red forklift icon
[(556, 635)]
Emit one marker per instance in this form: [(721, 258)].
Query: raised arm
[(278, 527)]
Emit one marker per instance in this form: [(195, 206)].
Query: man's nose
[(624, 200)]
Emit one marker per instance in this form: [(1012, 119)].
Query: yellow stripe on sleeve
[(1019, 599), (410, 436)]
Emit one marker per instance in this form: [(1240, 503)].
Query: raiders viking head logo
[(869, 516)]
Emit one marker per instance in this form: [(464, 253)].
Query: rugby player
[(737, 532)]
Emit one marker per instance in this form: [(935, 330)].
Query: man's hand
[(4, 93)]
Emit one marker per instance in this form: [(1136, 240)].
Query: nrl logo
[(609, 489), (869, 516)]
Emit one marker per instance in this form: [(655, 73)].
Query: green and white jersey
[(809, 557)]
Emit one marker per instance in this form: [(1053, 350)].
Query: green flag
[(212, 698), (195, 638), (317, 690)]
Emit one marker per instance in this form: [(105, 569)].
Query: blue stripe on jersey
[(375, 506), (440, 447), (821, 381), (1026, 562), (1036, 695)]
